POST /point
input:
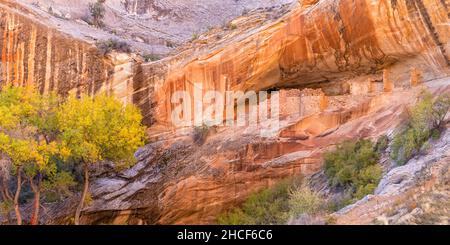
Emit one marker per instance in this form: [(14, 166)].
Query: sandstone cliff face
[(57, 54), (179, 182), (367, 56), (156, 26), (416, 193), (34, 54), (327, 42), (315, 44)]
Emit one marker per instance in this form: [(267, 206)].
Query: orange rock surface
[(326, 44)]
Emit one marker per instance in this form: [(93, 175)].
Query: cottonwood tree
[(29, 159), (27, 142), (6, 196), (15, 106), (38, 131), (97, 129), (43, 166), (44, 124)]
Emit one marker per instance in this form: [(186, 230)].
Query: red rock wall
[(328, 41), (34, 54)]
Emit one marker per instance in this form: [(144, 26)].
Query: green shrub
[(354, 166), (6, 207), (435, 134), (304, 201), (170, 44), (195, 36), (441, 107), (426, 121), (382, 144), (270, 206), (109, 45), (150, 57), (347, 197), (200, 134), (97, 11), (236, 217), (58, 186), (232, 26)]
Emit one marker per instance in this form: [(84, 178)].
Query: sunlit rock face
[(153, 25), (328, 41), (360, 64), (317, 43), (36, 55)]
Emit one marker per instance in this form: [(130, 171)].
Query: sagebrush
[(276, 205)]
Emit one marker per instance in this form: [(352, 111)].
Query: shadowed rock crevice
[(343, 66), (429, 24)]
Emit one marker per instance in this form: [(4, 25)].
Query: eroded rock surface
[(155, 26), (416, 193), (357, 64), (178, 181)]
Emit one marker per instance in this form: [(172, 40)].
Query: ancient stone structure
[(388, 85), (416, 77), (357, 36), (319, 45)]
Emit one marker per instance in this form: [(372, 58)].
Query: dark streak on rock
[(394, 4), (429, 24)]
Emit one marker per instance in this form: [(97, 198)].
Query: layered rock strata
[(369, 58)]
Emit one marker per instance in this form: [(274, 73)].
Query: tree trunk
[(83, 195), (5, 192), (17, 195), (6, 196), (37, 200)]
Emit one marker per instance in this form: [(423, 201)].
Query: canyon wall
[(33, 53), (314, 45), (319, 45), (324, 44)]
